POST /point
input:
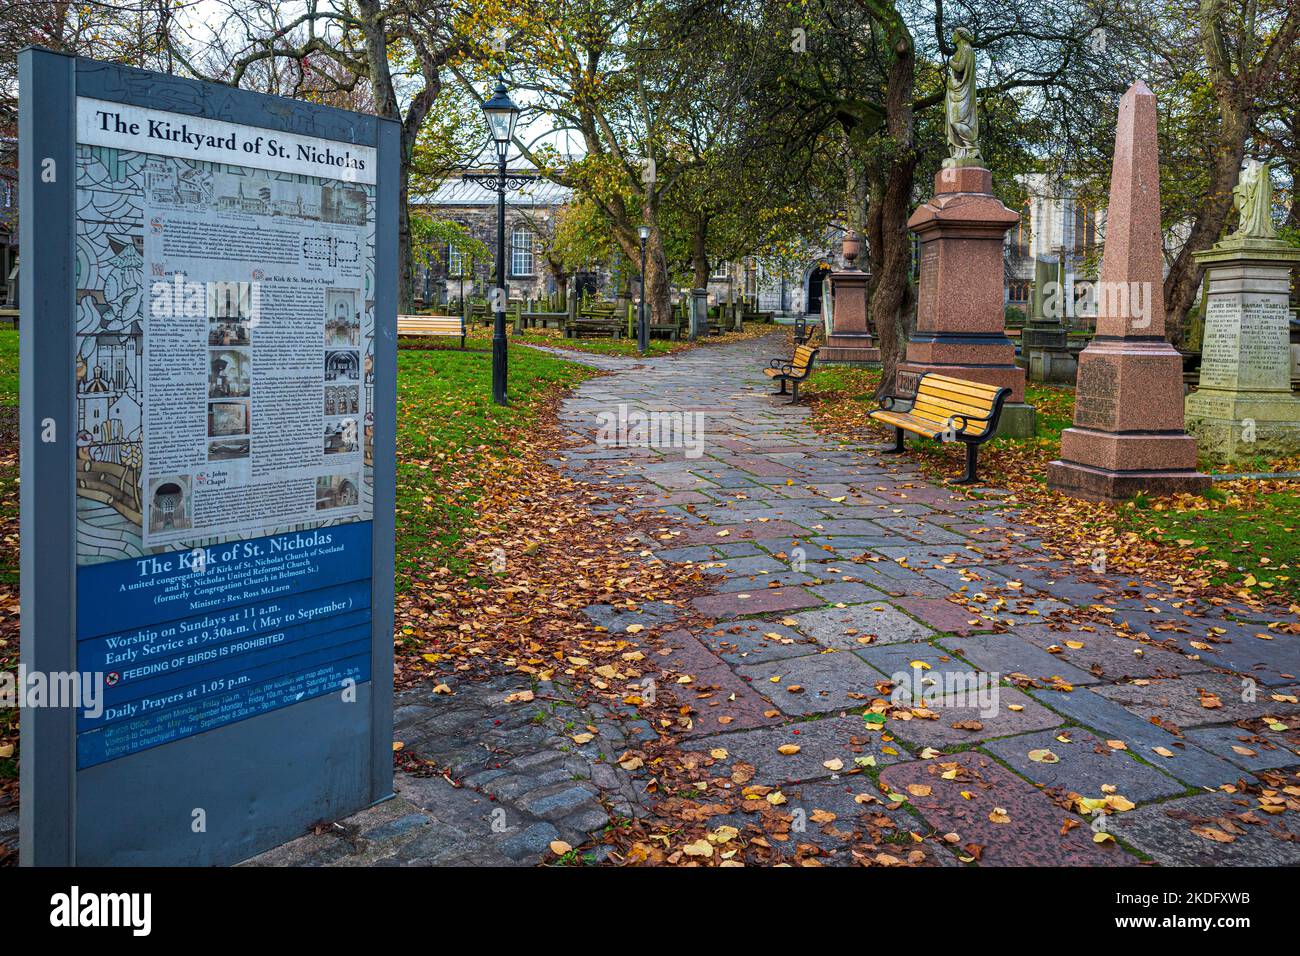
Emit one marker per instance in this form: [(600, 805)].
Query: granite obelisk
[(1128, 435)]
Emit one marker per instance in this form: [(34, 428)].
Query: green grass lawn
[(1251, 542), (447, 430), (8, 366)]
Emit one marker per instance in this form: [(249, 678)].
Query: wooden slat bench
[(950, 409), (794, 371), (595, 321), (451, 325)]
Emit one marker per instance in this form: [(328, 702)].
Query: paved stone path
[(839, 569)]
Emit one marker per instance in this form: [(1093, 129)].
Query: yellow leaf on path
[(724, 834), (559, 847), (1043, 756), (776, 798), (999, 816), (788, 749), (698, 848), (443, 689), (519, 697), (1101, 837), (834, 764), (718, 753), (919, 789), (1116, 745), (1213, 833), (582, 738), (1162, 751), (397, 745), (635, 628)]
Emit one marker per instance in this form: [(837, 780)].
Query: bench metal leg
[(898, 448), (972, 453), (795, 400), (783, 391)]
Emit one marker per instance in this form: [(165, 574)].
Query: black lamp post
[(642, 326), (501, 113)]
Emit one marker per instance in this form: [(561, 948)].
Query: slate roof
[(462, 192)]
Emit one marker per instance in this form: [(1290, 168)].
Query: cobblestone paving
[(838, 568)]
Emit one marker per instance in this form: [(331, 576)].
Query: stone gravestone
[(699, 313), (1243, 405), (1044, 341), (850, 341), (208, 433), (961, 313), (1128, 434)]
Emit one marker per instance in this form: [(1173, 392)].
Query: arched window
[(1085, 229), (1024, 232), (521, 252), (455, 261)]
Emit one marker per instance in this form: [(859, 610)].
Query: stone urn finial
[(852, 247)]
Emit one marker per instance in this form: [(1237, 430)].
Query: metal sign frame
[(260, 780)]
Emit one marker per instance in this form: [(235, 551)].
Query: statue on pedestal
[(1253, 199), (961, 112)]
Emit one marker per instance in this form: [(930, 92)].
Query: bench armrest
[(897, 403)]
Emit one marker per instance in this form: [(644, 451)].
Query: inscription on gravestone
[(1097, 403)]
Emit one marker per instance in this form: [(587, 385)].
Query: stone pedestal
[(1044, 344), (961, 315), (850, 341), (1243, 406), (699, 313), (1128, 434)]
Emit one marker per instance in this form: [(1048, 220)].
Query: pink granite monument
[(961, 306), (850, 341), (1128, 433)]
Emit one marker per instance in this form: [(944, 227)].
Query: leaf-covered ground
[(480, 338), (1240, 539)]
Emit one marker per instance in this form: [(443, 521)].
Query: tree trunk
[(699, 254), (1184, 278), (405, 267), (890, 180)]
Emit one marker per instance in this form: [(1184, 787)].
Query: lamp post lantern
[(642, 326), (501, 113)]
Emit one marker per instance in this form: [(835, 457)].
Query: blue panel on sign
[(118, 698), (262, 624), (139, 592), (122, 650), (215, 710)]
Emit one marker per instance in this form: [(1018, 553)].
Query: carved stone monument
[(1128, 434), (961, 315), (1044, 342), (850, 341), (1243, 406)]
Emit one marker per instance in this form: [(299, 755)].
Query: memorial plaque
[(226, 335), (1245, 345)]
